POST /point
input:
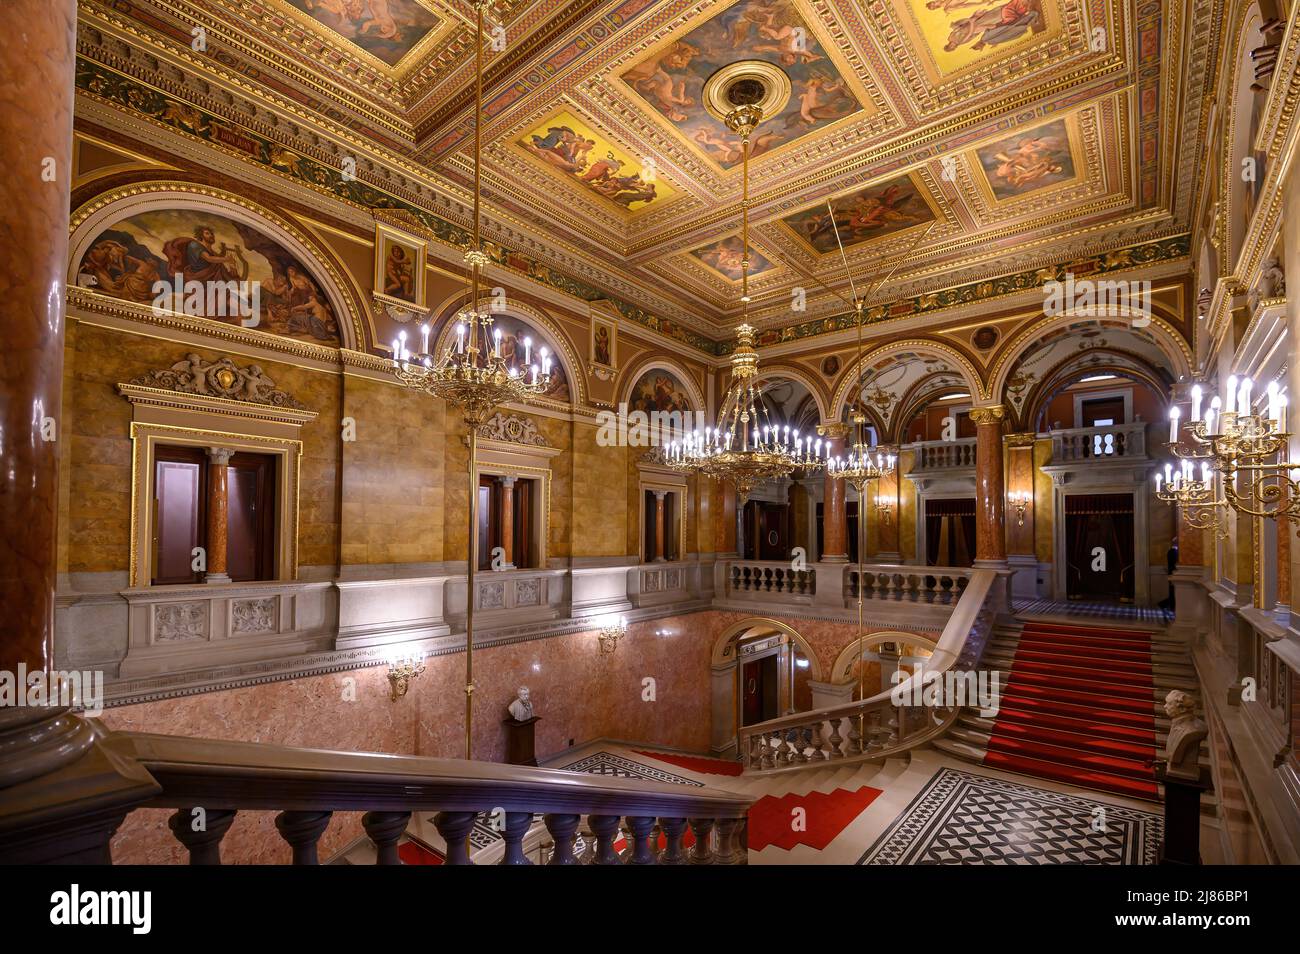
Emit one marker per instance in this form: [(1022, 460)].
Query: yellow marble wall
[(393, 483), (96, 424), (1044, 503), (907, 508), (560, 537), (600, 495)]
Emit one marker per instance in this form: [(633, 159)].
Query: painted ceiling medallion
[(779, 33)]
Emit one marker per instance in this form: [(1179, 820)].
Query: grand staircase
[(1081, 704)]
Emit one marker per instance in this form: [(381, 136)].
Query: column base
[(217, 579), (990, 564), (889, 556), (834, 558)]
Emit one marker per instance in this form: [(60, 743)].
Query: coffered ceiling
[(941, 141)]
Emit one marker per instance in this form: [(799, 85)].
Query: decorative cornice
[(513, 429)]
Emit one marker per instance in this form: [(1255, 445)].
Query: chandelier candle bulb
[(1272, 400), (528, 351), (1196, 402), (1281, 413), (1243, 398), (1173, 424), (1230, 400)]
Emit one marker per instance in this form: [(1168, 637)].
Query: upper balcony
[(1104, 442)]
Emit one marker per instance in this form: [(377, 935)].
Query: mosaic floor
[(960, 818), (1116, 611)]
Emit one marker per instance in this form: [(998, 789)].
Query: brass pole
[(469, 599)]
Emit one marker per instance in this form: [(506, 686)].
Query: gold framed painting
[(604, 343), (399, 267)]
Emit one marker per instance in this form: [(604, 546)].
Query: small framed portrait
[(604, 343), (399, 267)]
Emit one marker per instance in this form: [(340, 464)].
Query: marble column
[(990, 513), (36, 127), (218, 517), (508, 521), (834, 514), (1022, 556), (660, 509)]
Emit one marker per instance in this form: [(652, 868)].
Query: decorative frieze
[(180, 622), (253, 616), (513, 429), (221, 379)]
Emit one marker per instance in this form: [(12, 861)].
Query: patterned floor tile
[(960, 818), (618, 766)]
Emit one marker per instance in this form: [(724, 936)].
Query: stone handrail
[(914, 584), (778, 577), (944, 455), (877, 727), (1099, 443), (307, 785)]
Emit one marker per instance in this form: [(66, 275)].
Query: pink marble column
[(36, 61), (990, 513), (508, 520), (218, 513), (835, 516), (660, 509)]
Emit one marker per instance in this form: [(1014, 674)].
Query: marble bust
[(521, 710), (1183, 747)]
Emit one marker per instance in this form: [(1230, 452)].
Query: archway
[(776, 666)]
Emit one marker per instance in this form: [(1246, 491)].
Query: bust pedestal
[(1182, 837), (519, 741)]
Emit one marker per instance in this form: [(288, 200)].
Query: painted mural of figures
[(778, 30), (1009, 21), (658, 390), (727, 151), (822, 99), (130, 258), (661, 80), (1021, 163), (399, 281), (387, 29), (870, 213), (1030, 161)]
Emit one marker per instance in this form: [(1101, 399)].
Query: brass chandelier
[(748, 446), (472, 374), (1245, 441)]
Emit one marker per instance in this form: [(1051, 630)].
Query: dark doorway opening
[(759, 690), (950, 532), (1099, 547)]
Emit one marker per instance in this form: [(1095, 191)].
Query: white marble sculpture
[(1183, 747), (521, 710)]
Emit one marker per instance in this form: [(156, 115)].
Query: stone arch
[(1061, 376), (1162, 330), (843, 667), (768, 372), (724, 646), (960, 361), (566, 353), (102, 212), (631, 374)]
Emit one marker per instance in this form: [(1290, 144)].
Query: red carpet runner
[(1079, 708), (696, 763), (826, 814)]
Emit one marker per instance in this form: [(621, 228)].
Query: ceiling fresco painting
[(960, 34), (588, 159), (671, 79), (862, 216), (608, 179), (725, 255), (386, 29), (1028, 161)]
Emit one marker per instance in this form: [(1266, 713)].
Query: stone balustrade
[(1118, 441), (935, 585), (770, 578), (878, 726), (944, 455), (213, 780)]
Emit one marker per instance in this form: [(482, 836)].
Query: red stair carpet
[(826, 814), (696, 763), (1079, 708)]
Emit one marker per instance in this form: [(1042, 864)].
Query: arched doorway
[(762, 669)]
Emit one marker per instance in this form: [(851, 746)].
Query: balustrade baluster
[(385, 829), (673, 829), (455, 828), (563, 828), (800, 754), (605, 830), (702, 850), (729, 849), (516, 828), (302, 830), (855, 737), (815, 741), (782, 749), (835, 739), (200, 830), (641, 828)]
